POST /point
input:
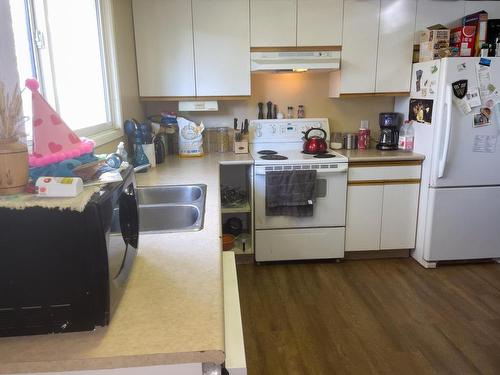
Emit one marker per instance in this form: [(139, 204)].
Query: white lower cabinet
[(399, 216), (364, 214), (382, 210)]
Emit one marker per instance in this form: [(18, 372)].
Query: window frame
[(41, 60)]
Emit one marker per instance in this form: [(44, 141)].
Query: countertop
[(374, 155), (172, 309)]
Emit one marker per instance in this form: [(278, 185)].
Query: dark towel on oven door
[(290, 193)]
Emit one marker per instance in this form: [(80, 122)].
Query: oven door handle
[(342, 168)]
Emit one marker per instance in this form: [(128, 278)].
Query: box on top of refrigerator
[(480, 21), (463, 39), (434, 39)]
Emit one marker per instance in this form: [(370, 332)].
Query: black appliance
[(65, 271), (389, 123)]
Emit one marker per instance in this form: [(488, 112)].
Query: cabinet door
[(399, 216), (222, 47), (363, 221), (395, 45), (359, 46), (492, 7), (273, 23), (319, 22), (164, 47), (431, 12)]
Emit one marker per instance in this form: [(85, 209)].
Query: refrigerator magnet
[(472, 97), (482, 118), (420, 110), (461, 67)]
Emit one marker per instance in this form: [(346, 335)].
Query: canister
[(350, 141)]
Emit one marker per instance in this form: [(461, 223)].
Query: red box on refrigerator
[(463, 38)]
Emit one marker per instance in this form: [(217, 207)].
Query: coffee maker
[(389, 123)]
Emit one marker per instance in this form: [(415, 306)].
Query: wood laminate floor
[(370, 317)]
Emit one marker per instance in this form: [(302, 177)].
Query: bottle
[(300, 112), (120, 150), (290, 112), (140, 157), (406, 137), (364, 135)]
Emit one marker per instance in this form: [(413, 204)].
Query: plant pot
[(13, 166)]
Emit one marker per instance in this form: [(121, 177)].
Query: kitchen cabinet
[(191, 54), (399, 216), (382, 204), (364, 213), (377, 46), (222, 53), (273, 23), (164, 47), (359, 46), (395, 46), (319, 22), (296, 23)]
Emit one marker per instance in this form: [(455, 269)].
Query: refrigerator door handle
[(448, 104)]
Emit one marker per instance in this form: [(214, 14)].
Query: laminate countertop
[(374, 155), (172, 308)]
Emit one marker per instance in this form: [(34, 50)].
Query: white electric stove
[(276, 145)]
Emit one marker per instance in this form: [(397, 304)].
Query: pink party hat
[(53, 140)]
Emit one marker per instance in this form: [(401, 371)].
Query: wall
[(131, 106), (8, 64), (125, 56), (284, 89)]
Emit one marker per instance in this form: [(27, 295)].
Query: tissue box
[(432, 40)]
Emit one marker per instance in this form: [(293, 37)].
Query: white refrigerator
[(459, 208)]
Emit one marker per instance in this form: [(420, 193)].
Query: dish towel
[(290, 193)]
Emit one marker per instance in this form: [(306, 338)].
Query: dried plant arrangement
[(13, 152), (11, 121)]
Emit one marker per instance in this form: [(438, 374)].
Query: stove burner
[(314, 153), (324, 156), (267, 152), (273, 157)]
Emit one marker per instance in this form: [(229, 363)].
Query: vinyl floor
[(370, 317)]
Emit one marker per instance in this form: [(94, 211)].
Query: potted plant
[(13, 152)]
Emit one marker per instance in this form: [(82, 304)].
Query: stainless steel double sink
[(171, 208)]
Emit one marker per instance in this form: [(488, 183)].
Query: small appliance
[(389, 123), (63, 270)]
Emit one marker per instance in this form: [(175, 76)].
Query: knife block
[(241, 147)]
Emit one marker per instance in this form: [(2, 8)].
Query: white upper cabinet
[(164, 47), (431, 12), (395, 45), (222, 47), (492, 7), (273, 23), (319, 22), (359, 46)]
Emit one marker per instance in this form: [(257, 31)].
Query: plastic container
[(406, 140), (222, 140)]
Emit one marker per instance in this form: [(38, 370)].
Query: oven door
[(330, 206)]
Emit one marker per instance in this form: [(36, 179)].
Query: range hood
[(295, 61)]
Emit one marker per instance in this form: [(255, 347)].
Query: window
[(67, 47)]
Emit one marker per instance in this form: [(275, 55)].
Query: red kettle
[(315, 144)]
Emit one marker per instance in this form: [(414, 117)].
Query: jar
[(222, 139), (350, 141)]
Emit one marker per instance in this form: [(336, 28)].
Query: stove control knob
[(258, 133), (273, 129)]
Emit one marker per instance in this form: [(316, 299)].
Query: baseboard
[(377, 254), (244, 258)]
